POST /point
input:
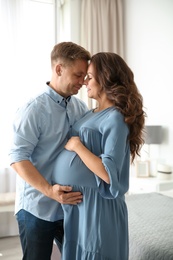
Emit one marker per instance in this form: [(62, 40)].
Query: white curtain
[(101, 28), (102, 25), (27, 37)]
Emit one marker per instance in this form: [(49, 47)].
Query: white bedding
[(150, 226)]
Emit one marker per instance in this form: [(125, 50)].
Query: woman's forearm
[(93, 162)]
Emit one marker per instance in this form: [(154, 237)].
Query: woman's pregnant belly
[(70, 170)]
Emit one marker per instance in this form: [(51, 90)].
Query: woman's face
[(93, 87)]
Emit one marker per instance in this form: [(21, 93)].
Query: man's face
[(72, 78)]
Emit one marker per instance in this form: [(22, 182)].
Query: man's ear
[(58, 69)]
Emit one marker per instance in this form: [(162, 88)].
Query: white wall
[(149, 52)]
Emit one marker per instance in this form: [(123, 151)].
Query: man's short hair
[(68, 52)]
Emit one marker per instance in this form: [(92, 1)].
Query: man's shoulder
[(32, 104)]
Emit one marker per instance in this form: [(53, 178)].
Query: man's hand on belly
[(64, 195)]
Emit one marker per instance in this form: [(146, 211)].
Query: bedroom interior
[(145, 42)]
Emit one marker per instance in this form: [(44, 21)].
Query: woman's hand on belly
[(93, 162), (72, 143)]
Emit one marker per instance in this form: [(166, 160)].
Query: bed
[(150, 226)]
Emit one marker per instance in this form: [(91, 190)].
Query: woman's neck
[(103, 105)]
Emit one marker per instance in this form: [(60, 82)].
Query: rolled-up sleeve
[(26, 132)]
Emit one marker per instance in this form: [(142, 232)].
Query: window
[(27, 36)]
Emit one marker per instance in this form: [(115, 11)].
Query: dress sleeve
[(115, 156)]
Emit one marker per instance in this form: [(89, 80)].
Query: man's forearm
[(31, 175)]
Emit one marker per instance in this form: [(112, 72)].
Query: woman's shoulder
[(113, 113), (113, 119)]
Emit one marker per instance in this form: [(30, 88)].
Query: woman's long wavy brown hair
[(117, 80)]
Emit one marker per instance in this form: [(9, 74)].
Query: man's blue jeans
[(37, 236)]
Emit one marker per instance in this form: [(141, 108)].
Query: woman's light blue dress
[(97, 228)]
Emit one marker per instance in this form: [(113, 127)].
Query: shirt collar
[(55, 96)]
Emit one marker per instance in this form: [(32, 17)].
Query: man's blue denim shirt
[(40, 131)]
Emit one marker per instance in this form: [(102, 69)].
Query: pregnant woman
[(96, 162)]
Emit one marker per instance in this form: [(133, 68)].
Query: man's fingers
[(72, 202), (64, 195), (71, 198), (63, 188)]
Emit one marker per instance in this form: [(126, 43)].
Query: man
[(40, 133)]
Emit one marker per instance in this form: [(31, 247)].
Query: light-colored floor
[(10, 249)]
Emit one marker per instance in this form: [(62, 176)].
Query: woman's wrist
[(78, 146)]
